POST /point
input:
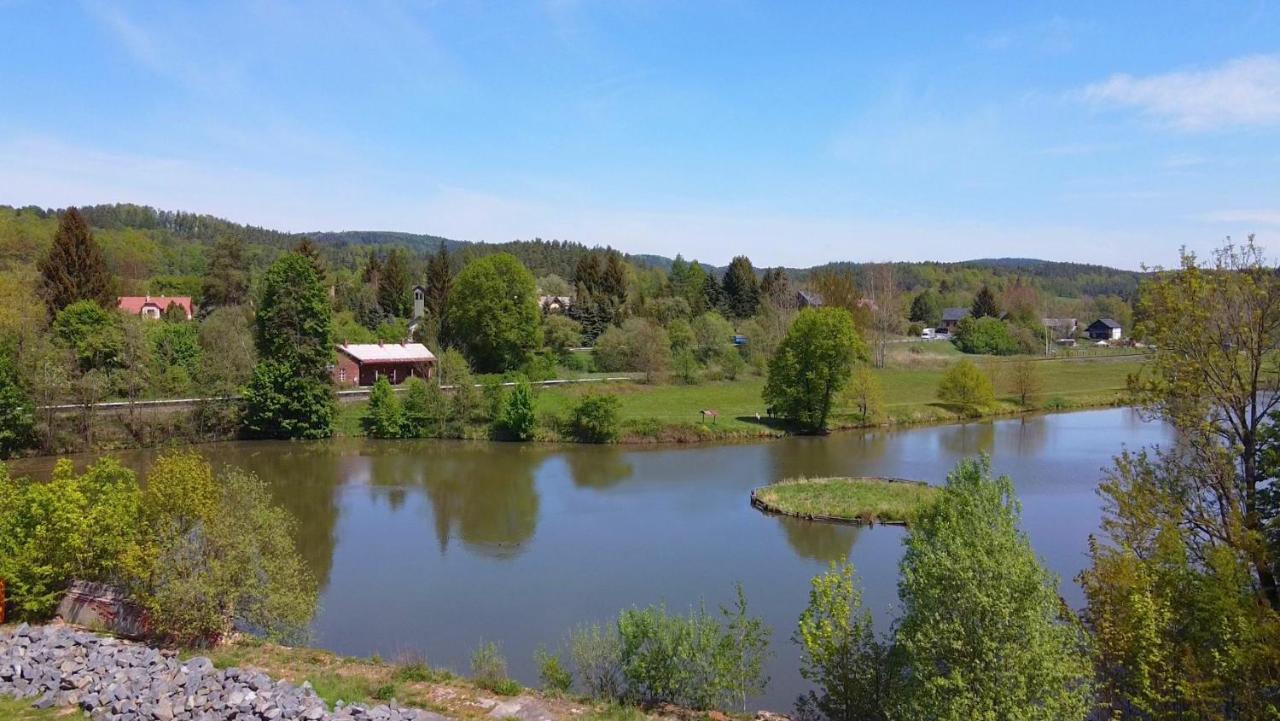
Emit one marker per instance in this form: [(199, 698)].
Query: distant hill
[(346, 248)]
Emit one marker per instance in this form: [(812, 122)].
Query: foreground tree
[(290, 394), (493, 313), (74, 269), (812, 365), (1213, 377), (853, 672), (1179, 630), (982, 632)]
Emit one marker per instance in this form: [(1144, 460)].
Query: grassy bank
[(852, 500), (670, 412)]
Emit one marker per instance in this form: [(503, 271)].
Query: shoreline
[(691, 436)]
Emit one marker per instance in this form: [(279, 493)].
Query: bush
[(560, 333), (915, 330), (552, 673), (694, 661), (489, 670), (597, 655), (985, 336), (594, 419), (384, 417), (517, 419), (73, 527), (967, 388), (639, 345)]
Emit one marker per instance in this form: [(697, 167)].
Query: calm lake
[(431, 547)]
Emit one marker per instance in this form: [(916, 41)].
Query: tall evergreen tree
[(775, 287), (984, 305), (439, 283), (74, 268), (226, 282), (712, 293), (741, 289), (927, 308), (614, 281), (308, 249), (588, 273), (291, 394), (395, 288)]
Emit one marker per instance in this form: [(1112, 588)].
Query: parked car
[(927, 334)]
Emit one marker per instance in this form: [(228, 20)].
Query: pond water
[(430, 547)]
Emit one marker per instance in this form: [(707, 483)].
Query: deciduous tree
[(812, 366), (493, 311)]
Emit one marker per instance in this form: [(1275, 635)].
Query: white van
[(928, 334)]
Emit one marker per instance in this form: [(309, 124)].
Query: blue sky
[(794, 132)]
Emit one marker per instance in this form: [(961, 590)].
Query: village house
[(551, 304), (951, 318), (808, 299), (1104, 329), (1061, 328), (362, 364), (154, 306)]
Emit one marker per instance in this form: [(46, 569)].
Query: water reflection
[(599, 468), (822, 542)]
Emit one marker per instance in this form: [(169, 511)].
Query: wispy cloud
[(1256, 216), (1241, 92), (1054, 36)]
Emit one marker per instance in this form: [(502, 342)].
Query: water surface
[(431, 547)]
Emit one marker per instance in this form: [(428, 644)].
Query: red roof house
[(153, 306)]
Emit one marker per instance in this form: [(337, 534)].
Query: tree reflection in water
[(825, 542)]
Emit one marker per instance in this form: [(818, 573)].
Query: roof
[(810, 297), (387, 352), (954, 313), (134, 304), (1059, 322), (1105, 321)]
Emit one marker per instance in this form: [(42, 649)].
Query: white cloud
[(1241, 92), (1257, 216)]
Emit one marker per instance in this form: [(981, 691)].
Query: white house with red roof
[(362, 364), (153, 306)]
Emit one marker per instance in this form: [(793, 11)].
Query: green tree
[(395, 287), (741, 289), (561, 333), (494, 313), (967, 388), (384, 417), (307, 249), (517, 418), (984, 304), (842, 658), (290, 394), (1178, 629), (226, 282), (17, 413), (982, 630), (219, 554), (1212, 377), (865, 394), (426, 409), (93, 333), (439, 284), (639, 345), (713, 337), (984, 336), (812, 366), (1024, 379), (926, 308), (74, 269)]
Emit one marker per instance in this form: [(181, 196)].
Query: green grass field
[(671, 411), (863, 500)]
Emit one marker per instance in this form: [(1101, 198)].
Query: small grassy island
[(846, 500)]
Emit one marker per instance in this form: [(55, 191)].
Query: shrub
[(594, 418), (639, 345), (915, 330), (218, 553), (517, 419), (696, 661), (597, 656), (73, 527), (560, 333), (384, 418), (489, 670), (967, 388), (552, 673)]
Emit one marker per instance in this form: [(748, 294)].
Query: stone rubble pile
[(115, 680)]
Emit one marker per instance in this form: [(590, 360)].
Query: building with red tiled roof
[(154, 306)]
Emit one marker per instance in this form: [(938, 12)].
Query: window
[(342, 375)]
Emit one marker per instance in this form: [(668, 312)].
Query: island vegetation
[(849, 500)]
